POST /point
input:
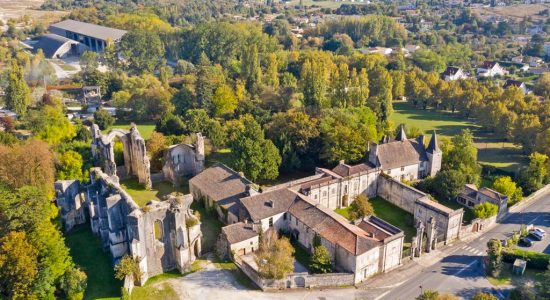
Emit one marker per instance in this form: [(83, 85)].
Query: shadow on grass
[(210, 226), (87, 253)]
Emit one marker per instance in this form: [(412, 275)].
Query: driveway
[(217, 284)]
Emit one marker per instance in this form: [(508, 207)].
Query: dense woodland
[(279, 103)]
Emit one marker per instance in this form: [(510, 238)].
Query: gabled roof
[(488, 64), (239, 232), (91, 30), (221, 184), (511, 82), (268, 204), (400, 153), (450, 71), (492, 194), (50, 44), (345, 170)]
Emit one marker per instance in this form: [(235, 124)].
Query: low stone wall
[(296, 280), (527, 200), (477, 225)]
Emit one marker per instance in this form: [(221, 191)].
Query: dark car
[(527, 242)]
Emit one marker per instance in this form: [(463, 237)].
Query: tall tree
[(18, 266), (461, 155), (18, 95), (251, 69), (142, 50)]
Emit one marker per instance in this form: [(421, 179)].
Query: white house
[(490, 69), (454, 73)]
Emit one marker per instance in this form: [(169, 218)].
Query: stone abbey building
[(304, 208)]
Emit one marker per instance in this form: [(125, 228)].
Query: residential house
[(472, 196), (453, 73), (490, 69), (516, 83)]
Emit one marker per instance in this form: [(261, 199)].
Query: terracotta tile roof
[(238, 232), (398, 154), (307, 185), (221, 184), (332, 227)]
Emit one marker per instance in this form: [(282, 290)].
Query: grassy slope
[(492, 150), (87, 254), (160, 189)]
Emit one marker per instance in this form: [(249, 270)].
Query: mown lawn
[(85, 248), (223, 156), (492, 149), (506, 277), (164, 292), (160, 189), (389, 213), (144, 128)]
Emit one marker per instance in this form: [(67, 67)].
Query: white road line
[(466, 267), (383, 295)]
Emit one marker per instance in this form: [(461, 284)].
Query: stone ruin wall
[(125, 228), (136, 161)]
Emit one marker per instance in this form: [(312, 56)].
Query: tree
[(345, 133), (128, 266), (251, 70), (522, 292), (321, 260), (461, 155), (294, 133), (103, 119), (143, 51), (483, 296), (447, 184), (224, 101), (70, 166), (74, 283), (494, 252), (170, 124), (505, 186), (485, 210), (435, 295), (534, 175), (18, 265), (156, 145), (17, 95), (254, 155), (360, 207), (542, 87), (89, 62), (276, 256), (50, 125)]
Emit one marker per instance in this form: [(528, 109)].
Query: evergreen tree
[(18, 95)]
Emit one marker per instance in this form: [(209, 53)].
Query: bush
[(103, 119), (320, 261), (485, 210), (535, 260)]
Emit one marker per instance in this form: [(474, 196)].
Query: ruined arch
[(136, 162)]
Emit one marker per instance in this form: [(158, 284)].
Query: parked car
[(539, 230), (536, 235), (527, 242)]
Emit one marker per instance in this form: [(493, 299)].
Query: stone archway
[(136, 161)]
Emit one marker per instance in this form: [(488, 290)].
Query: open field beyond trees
[(492, 149), (516, 12)]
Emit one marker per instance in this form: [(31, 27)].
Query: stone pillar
[(199, 154), (418, 239), (432, 234)]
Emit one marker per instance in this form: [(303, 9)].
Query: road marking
[(383, 295), (466, 267)]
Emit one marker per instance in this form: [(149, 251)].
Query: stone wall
[(296, 280), (398, 193), (184, 160), (70, 200), (136, 161), (161, 235)]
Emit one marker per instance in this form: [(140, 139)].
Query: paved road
[(461, 273)]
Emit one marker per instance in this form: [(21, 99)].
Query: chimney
[(250, 191), (341, 162)]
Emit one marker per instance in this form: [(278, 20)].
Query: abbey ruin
[(161, 236)]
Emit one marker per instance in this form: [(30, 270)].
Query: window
[(158, 230), (296, 221), (389, 171), (333, 191), (284, 216), (402, 169), (324, 193), (315, 197), (251, 243), (270, 222)]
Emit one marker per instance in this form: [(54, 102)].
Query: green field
[(160, 189), (323, 4), (87, 253), (144, 128), (492, 149)]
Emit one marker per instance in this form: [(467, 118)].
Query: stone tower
[(434, 156), (199, 153), (401, 135)]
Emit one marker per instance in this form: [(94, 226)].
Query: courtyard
[(142, 196)]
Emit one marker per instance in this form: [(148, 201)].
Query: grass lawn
[(160, 189), (165, 292), (391, 214), (222, 156), (300, 254), (210, 226), (144, 128), (506, 277), (87, 253), (492, 150), (468, 213)]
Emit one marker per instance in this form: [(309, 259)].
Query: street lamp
[(420, 290)]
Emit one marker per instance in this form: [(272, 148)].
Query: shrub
[(485, 210), (320, 261), (535, 260), (360, 207), (103, 119)]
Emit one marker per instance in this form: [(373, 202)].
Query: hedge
[(535, 260)]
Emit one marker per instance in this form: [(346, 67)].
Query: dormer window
[(269, 203)]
